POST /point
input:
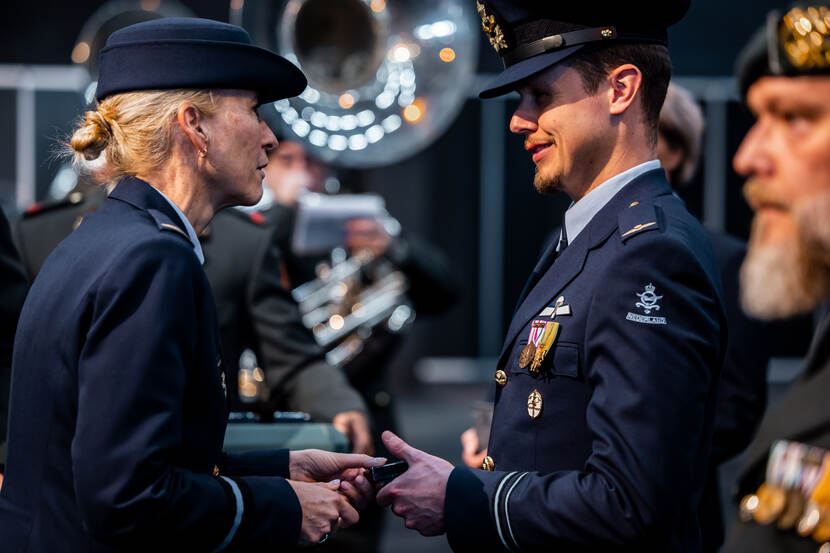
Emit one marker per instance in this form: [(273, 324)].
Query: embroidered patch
[(648, 303)]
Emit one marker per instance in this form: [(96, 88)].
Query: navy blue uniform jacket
[(616, 459), (117, 407)]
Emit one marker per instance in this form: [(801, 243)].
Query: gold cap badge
[(493, 30), (804, 37)]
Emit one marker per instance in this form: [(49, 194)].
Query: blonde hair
[(130, 133), (681, 125)]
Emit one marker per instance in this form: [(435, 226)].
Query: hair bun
[(92, 137)]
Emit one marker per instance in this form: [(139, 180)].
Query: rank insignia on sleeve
[(648, 303)]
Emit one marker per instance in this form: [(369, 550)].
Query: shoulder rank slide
[(637, 218), (165, 223)]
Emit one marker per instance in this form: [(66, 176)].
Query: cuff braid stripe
[(506, 509), (237, 519), (496, 503)]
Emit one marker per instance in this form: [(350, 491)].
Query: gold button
[(488, 464), (215, 470), (501, 377)]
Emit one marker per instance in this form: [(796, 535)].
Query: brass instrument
[(386, 77), (350, 300)]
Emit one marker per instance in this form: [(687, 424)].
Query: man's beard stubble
[(546, 183), (782, 280)]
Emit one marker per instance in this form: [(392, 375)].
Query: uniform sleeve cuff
[(470, 526), (256, 463)]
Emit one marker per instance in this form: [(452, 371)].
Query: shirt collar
[(191, 232), (580, 213)]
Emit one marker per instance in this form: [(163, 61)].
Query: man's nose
[(751, 157), (521, 125)]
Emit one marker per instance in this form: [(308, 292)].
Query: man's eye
[(541, 97), (791, 117)]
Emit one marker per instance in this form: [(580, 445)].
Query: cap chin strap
[(557, 42), (574, 38)]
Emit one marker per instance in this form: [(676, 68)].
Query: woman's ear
[(190, 121)]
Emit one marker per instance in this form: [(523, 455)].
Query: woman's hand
[(324, 511), (315, 465)]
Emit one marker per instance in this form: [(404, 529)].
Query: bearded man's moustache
[(756, 195)]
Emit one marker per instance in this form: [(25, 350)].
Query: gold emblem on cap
[(493, 30), (534, 404), (607, 33), (488, 464), (804, 37), (501, 377)]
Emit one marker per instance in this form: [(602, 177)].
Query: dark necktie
[(563, 241)]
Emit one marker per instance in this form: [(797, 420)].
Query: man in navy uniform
[(605, 384), (784, 77)]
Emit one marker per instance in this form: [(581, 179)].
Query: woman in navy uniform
[(118, 410)]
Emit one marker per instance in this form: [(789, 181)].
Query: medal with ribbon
[(529, 351), (796, 493), (546, 341)]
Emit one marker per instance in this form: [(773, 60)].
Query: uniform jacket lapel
[(570, 262), (801, 411), (541, 267), (141, 195)]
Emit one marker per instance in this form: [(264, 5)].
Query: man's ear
[(190, 121), (625, 82)]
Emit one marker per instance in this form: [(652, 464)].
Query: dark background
[(434, 194)]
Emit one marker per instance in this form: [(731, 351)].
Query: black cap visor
[(508, 79)]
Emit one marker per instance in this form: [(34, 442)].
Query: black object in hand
[(385, 473)]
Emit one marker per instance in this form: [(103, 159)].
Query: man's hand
[(356, 427), (316, 465), (470, 454), (324, 510), (418, 494), (367, 234)]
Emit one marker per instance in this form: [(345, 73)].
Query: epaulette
[(42, 207), (166, 223), (636, 219)]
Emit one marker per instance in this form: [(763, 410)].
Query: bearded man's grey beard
[(782, 280)]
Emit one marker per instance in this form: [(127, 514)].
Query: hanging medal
[(529, 351), (546, 341)]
